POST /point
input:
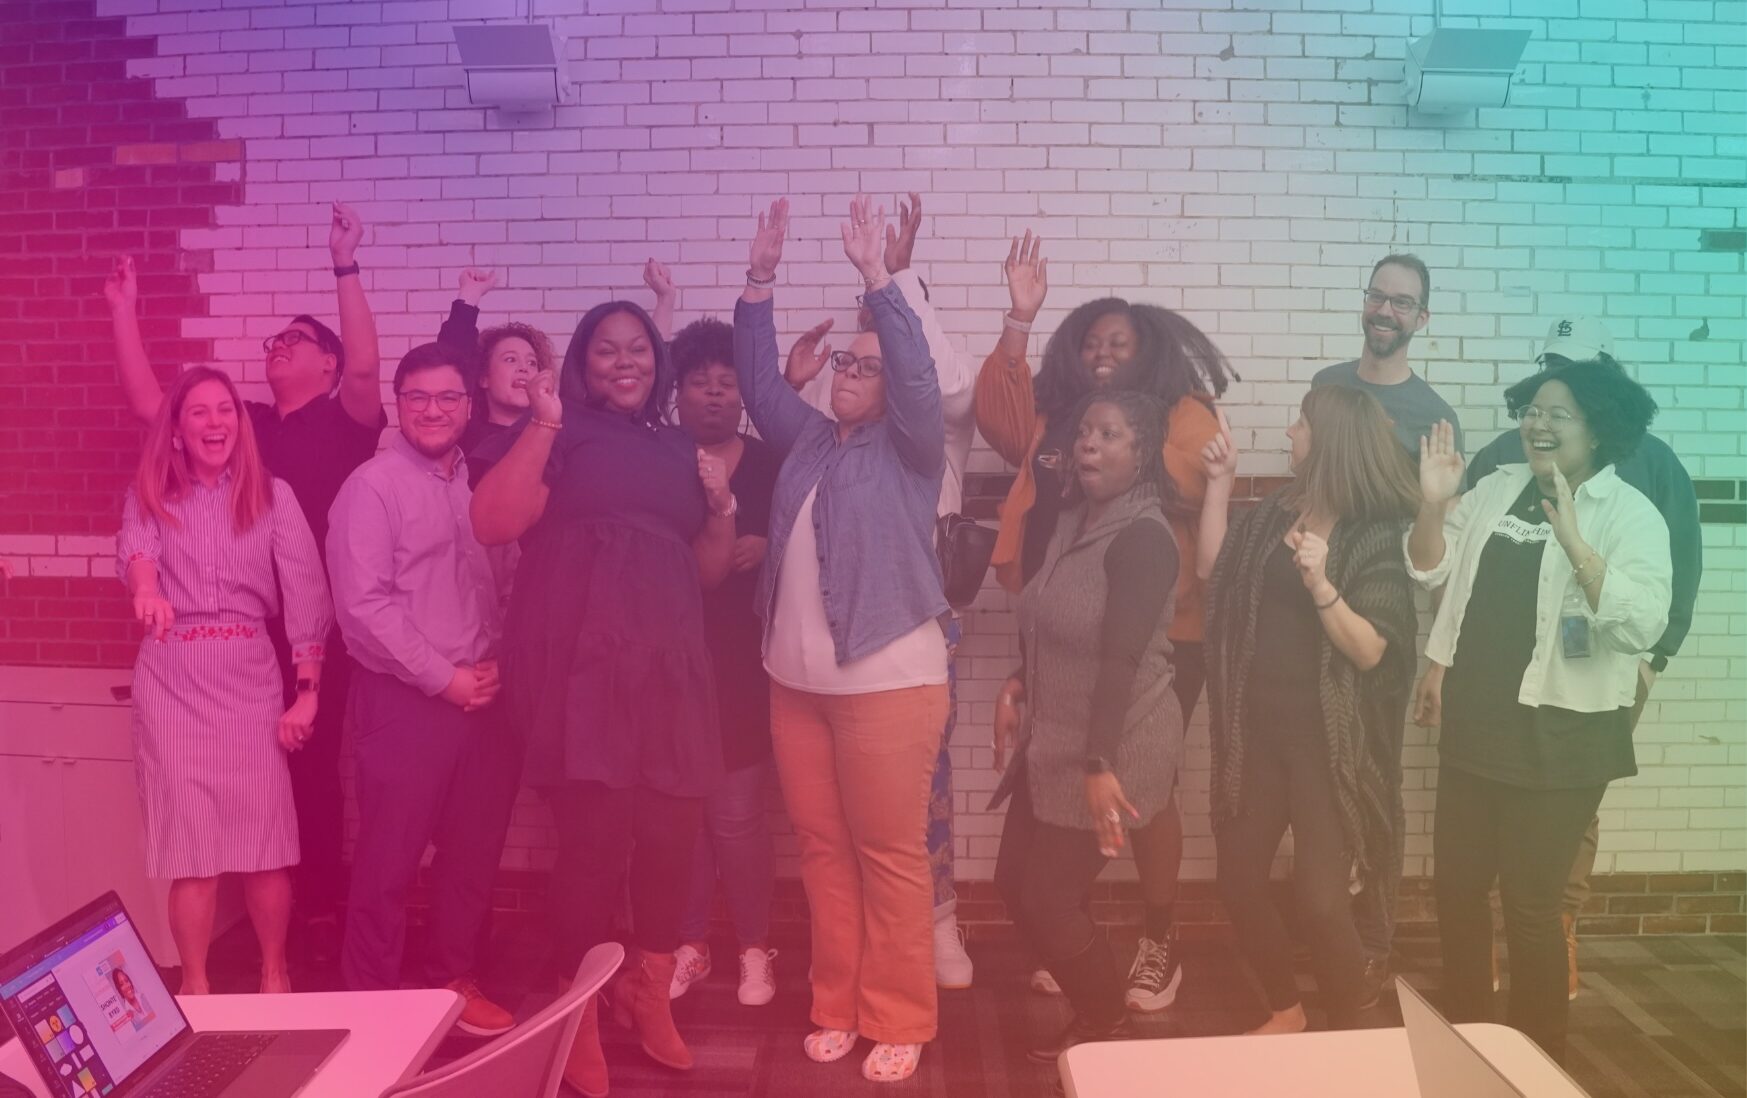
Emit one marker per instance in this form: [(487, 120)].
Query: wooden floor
[(1658, 1017)]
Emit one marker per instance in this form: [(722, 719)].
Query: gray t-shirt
[(1413, 405)]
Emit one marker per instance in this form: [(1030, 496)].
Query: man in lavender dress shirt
[(418, 606)]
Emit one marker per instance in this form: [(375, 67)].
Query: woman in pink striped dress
[(207, 541)]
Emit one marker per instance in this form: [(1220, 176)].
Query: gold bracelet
[(1587, 561), (1585, 584), (549, 424)]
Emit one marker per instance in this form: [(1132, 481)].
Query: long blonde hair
[(1356, 468), (164, 476)]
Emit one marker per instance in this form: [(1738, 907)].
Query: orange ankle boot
[(646, 1005), (586, 1070)]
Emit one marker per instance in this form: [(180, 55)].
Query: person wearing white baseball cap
[(1654, 470)]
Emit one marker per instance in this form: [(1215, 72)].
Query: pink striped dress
[(214, 785)]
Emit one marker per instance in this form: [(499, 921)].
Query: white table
[(393, 1033), (1363, 1063)]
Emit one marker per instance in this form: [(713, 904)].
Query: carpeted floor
[(1658, 1017)]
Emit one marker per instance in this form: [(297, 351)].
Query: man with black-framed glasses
[(325, 419), (1396, 306)]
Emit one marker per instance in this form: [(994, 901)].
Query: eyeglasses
[(869, 365), (1556, 418), (418, 400), (1400, 303), (289, 338)]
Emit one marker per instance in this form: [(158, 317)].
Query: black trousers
[(427, 773), (1526, 839), (319, 883), (604, 836), (1287, 782), (1045, 875)]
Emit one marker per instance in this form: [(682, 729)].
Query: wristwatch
[(348, 269), (1097, 764), (306, 685)]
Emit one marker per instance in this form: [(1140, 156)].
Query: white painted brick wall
[(1244, 166)]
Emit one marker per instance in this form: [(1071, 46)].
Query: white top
[(1624, 528), (799, 651), (958, 380)]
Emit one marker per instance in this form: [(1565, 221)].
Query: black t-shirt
[(1285, 673), (1485, 730), (479, 432), (1049, 471), (314, 450), (731, 625)]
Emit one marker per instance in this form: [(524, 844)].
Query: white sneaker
[(691, 964), (757, 976), (952, 965), (1043, 983)]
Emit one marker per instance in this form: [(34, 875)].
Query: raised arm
[(913, 413), (461, 329), (777, 410), (511, 497), (1352, 634), (659, 279), (1005, 406), (1440, 479), (138, 384), (1219, 466), (361, 382)]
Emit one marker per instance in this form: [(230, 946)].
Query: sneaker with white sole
[(1043, 983), (952, 965), (691, 964), (1155, 976), (757, 976)]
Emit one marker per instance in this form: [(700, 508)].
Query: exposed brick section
[(92, 164)]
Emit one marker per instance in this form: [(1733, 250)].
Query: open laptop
[(1447, 1065), (89, 1007)]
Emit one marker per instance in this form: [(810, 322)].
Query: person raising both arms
[(325, 420), (1106, 345)]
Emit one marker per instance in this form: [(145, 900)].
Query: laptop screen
[(87, 1003)]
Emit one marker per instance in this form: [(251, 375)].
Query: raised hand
[(659, 279), (767, 243), (344, 234), (1310, 554), (863, 238), (122, 288), (1440, 464), (808, 357), (1561, 511), (1027, 276), (543, 399), (1219, 456), (713, 475), (475, 284), (901, 238)]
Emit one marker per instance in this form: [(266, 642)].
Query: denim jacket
[(874, 515)]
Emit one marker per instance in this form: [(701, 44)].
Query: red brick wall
[(90, 165)]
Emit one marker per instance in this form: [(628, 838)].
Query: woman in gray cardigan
[(1100, 746)]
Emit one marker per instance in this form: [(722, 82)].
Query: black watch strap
[(348, 269), (1097, 764)]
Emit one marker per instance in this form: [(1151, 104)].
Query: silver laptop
[(1447, 1065), (86, 1002)]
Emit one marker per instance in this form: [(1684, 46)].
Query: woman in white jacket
[(1557, 577)]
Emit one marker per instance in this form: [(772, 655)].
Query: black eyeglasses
[(1400, 303), (289, 338), (418, 400), (869, 365)]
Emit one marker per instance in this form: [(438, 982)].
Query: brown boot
[(645, 1004), (586, 1070), (1570, 922)]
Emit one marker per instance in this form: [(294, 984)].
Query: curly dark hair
[(1172, 356), (700, 343), (572, 382), (1617, 409), (1146, 416)]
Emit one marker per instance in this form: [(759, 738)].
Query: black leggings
[(1526, 839), (1286, 782), (604, 835)]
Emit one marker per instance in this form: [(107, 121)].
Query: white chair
[(528, 1061)]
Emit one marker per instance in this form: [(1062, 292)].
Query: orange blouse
[(1008, 418)]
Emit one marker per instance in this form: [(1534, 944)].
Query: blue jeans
[(736, 841), (940, 793)]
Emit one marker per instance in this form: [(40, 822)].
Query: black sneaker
[(1376, 978), (1154, 977), (1079, 1033)]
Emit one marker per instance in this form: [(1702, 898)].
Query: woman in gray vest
[(1101, 742)]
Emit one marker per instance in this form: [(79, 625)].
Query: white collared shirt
[(1626, 531)]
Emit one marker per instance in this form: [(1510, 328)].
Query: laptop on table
[(87, 1004)]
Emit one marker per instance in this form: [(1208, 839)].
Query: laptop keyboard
[(212, 1063)]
